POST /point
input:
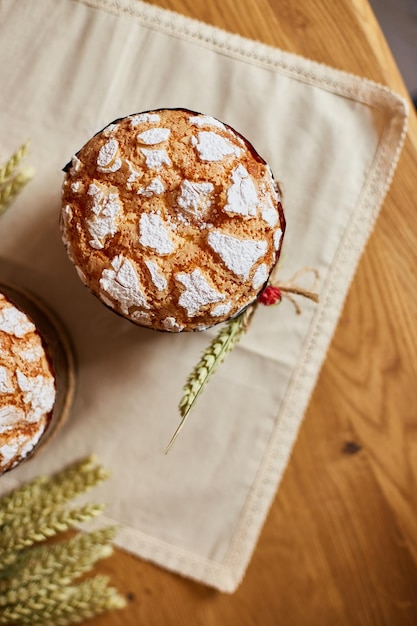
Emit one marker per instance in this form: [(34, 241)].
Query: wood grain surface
[(339, 547)]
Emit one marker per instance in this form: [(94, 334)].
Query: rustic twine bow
[(273, 293)]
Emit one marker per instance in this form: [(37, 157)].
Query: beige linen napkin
[(333, 140)]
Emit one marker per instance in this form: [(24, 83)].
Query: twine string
[(291, 288)]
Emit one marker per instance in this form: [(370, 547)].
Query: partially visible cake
[(172, 219), (32, 399)]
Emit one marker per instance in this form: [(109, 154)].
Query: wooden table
[(340, 543)]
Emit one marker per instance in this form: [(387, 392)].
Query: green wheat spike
[(22, 533), (212, 357), (20, 499), (9, 168), (65, 606), (12, 180), (70, 483), (45, 493), (58, 563), (12, 188), (37, 581)]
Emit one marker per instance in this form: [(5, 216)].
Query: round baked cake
[(172, 219), (36, 376)]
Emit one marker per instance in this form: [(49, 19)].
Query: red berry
[(270, 295)]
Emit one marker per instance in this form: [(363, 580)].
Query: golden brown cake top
[(27, 385), (172, 219)]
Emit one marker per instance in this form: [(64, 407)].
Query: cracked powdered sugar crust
[(277, 238), (134, 174), (38, 392), (103, 223), (10, 416), (221, 309), (107, 153), (260, 276), (111, 128), (14, 322), (76, 165), (269, 213), (194, 197), (213, 147), (242, 197), (153, 234), (141, 318), (122, 284), (153, 136), (106, 161), (111, 168), (66, 217), (30, 353), (9, 452), (142, 118), (239, 255), (6, 385), (198, 292), (171, 324), (155, 188), (158, 279), (156, 158), (206, 120), (20, 447)]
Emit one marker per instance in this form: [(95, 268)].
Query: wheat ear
[(215, 354)]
